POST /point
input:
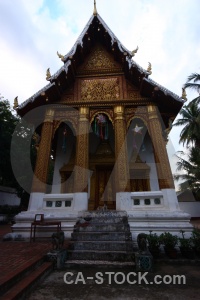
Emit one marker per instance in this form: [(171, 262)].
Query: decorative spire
[(61, 56), (15, 103), (184, 95), (149, 69), (134, 51), (95, 8), (48, 74)]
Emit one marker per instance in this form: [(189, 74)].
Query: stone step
[(104, 220), (101, 227), (100, 236), (102, 246), (121, 256), (99, 263), (109, 214)]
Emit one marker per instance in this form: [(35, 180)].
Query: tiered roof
[(97, 29)]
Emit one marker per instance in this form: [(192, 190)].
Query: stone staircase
[(101, 236)]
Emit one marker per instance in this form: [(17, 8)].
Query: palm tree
[(191, 174), (195, 85), (190, 134), (191, 122)]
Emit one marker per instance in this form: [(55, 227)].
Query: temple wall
[(148, 156)]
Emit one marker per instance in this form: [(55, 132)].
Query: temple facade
[(103, 126)]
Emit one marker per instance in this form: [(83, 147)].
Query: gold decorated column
[(122, 176), (82, 156), (42, 162), (165, 178)]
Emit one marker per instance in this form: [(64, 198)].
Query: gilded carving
[(81, 168), (49, 115), (121, 167), (99, 59), (41, 168), (100, 89), (162, 162), (133, 113), (64, 116)]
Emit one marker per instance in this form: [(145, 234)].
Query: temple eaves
[(113, 39)]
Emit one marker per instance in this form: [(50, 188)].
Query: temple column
[(42, 162), (165, 177), (81, 172), (122, 177)]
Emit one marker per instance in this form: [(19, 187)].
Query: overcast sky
[(32, 31)]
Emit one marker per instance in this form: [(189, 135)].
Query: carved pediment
[(100, 89), (99, 61)]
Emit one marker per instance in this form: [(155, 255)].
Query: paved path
[(16, 255), (85, 288)]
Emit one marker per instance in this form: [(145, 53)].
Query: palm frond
[(194, 86), (194, 76), (195, 100)]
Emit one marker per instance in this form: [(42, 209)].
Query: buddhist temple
[(104, 123)]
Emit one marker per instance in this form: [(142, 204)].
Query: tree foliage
[(8, 122), (190, 135), (191, 168), (190, 119), (195, 84), (10, 125)]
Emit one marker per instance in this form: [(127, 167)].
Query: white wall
[(148, 157), (145, 152)]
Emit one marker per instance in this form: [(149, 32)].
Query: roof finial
[(15, 103), (184, 95), (95, 8), (149, 69), (134, 51), (48, 74)]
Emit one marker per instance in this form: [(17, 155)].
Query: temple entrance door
[(104, 190)]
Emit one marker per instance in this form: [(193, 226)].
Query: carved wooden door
[(104, 187)]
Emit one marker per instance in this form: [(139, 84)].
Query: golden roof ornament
[(184, 95), (48, 74), (95, 9), (134, 51), (15, 103), (61, 56), (149, 69)]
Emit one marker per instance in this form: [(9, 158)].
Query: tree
[(8, 123), (191, 122), (195, 77), (190, 135), (195, 85), (191, 175)]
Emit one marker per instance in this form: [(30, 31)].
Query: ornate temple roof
[(95, 29)]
